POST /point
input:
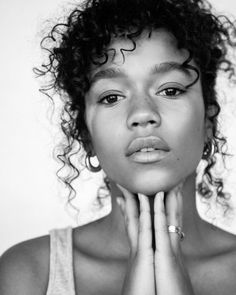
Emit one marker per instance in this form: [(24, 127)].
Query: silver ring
[(177, 230)]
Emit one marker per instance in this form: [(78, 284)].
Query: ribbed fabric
[(61, 278)]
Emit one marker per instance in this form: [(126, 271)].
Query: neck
[(193, 226)]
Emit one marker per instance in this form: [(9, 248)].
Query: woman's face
[(147, 128)]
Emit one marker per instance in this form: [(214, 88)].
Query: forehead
[(150, 39), (159, 46)]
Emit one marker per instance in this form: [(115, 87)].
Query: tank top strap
[(61, 277)]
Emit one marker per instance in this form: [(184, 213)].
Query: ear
[(208, 130), (89, 149), (87, 143), (211, 111)]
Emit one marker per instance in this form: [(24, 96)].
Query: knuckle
[(143, 229)]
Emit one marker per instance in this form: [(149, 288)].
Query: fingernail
[(120, 187), (141, 197), (160, 195), (119, 201)]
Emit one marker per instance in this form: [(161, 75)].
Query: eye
[(171, 91), (111, 99)]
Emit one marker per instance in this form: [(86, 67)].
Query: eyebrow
[(162, 68)]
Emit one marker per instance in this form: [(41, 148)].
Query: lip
[(152, 142), (148, 157)]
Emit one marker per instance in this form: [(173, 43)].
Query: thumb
[(121, 203)]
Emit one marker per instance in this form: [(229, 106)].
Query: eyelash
[(179, 90), (102, 100)]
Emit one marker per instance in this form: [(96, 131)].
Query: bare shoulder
[(214, 271), (230, 253), (223, 247), (24, 268), (224, 265)]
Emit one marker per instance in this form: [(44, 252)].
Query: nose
[(143, 113)]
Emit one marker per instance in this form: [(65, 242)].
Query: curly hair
[(73, 46)]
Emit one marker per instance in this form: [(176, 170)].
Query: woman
[(138, 79)]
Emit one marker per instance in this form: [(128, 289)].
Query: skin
[(142, 108), (138, 102), (122, 258)]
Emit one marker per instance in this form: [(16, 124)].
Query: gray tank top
[(61, 278)]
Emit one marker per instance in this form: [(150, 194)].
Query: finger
[(130, 211), (173, 217), (163, 246), (121, 202), (180, 206), (145, 225)]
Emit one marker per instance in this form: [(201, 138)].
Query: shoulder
[(229, 255), (224, 265), (222, 244), (222, 256), (24, 268)]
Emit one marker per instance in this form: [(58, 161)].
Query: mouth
[(147, 149), (150, 156)]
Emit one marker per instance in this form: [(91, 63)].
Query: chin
[(152, 183), (150, 191), (151, 187)]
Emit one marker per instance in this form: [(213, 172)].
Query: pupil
[(111, 98), (171, 91)]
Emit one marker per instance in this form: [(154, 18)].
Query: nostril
[(144, 123), (152, 122), (143, 119)]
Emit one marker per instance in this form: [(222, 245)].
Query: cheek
[(108, 142), (183, 132), (104, 133), (190, 141)]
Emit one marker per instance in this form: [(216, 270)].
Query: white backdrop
[(31, 199)]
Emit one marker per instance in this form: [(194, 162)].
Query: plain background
[(32, 201)]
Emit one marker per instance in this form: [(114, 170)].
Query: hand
[(140, 278), (170, 276)]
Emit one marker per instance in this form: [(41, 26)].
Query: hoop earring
[(89, 165), (208, 150)]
